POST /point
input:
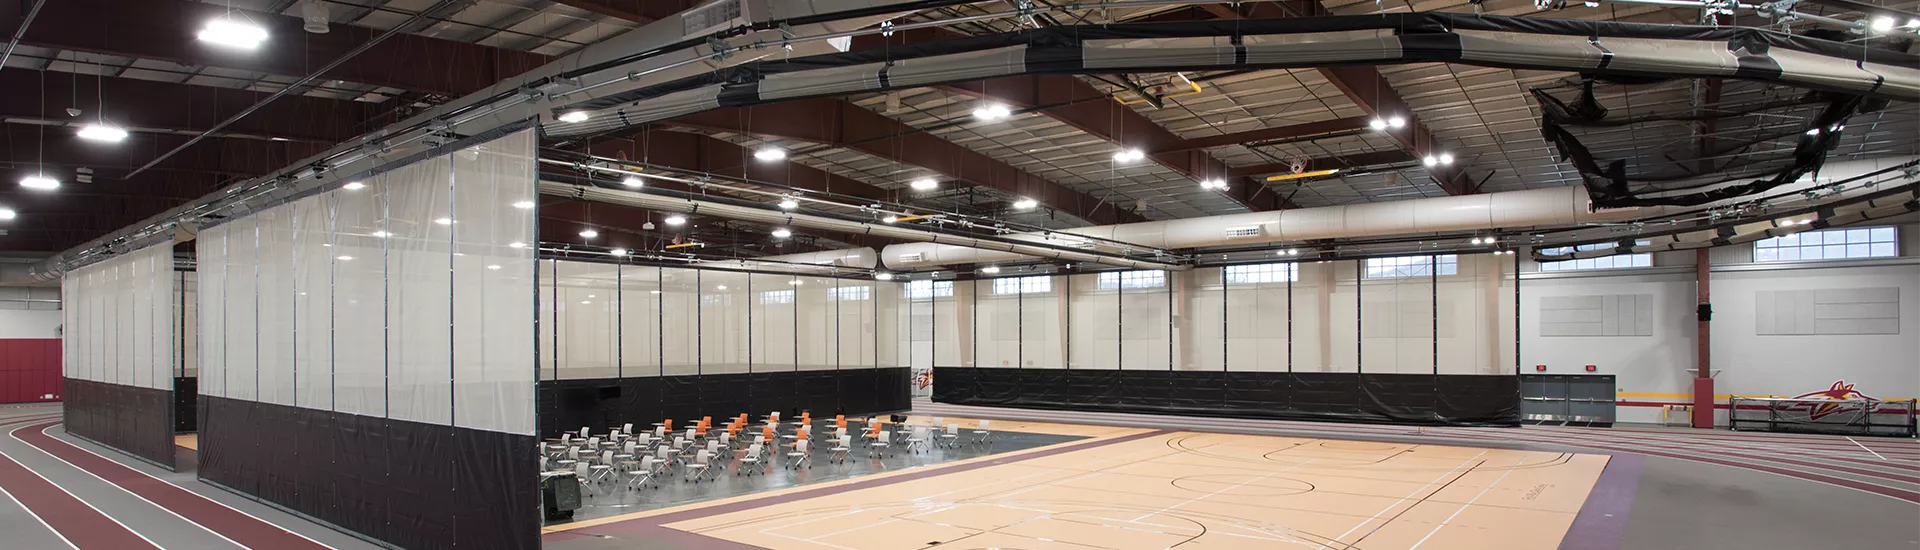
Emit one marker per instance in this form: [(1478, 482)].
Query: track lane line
[(79, 523), (240, 528)]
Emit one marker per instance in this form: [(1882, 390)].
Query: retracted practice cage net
[(1652, 142)]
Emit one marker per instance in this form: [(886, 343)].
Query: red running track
[(239, 527), (79, 523)]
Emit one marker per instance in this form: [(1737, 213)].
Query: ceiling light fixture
[(1214, 184), (884, 276), (992, 269), (770, 154), (1397, 122), (789, 204), (232, 33), (924, 184), (618, 252), (8, 213), (523, 205), (633, 181), (1813, 131), (782, 233), (1377, 124), (40, 181), (795, 282), (354, 186), (1882, 24), (1290, 252), (516, 244), (890, 219), (1129, 155), (344, 258), (103, 133), (571, 117), (589, 233), (676, 220), (1025, 204), (720, 287), (992, 111)]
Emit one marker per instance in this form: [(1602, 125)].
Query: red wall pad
[(30, 370)]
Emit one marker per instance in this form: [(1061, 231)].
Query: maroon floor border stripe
[(80, 523), (653, 527), (1602, 522), (241, 528)]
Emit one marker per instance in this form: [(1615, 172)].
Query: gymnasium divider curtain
[(641, 343), (118, 340), (1413, 339), (366, 353)]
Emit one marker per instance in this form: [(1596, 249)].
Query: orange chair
[(840, 421), (669, 424)]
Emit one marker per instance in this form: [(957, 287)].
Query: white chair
[(583, 432), (644, 474), (984, 434), (626, 428), (879, 445), (663, 457), (752, 458), (950, 438), (644, 442), (626, 453), (604, 469), (799, 455), (918, 441), (584, 474), (573, 457), (726, 441), (843, 446), (659, 432), (702, 462)]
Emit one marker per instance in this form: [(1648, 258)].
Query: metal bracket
[(886, 28)]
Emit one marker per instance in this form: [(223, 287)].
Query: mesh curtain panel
[(1427, 314), (117, 320), (633, 321), (366, 355), (408, 299), (120, 343)]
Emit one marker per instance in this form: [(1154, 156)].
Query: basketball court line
[(803, 526)]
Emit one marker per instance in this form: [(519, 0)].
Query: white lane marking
[(43, 431), (36, 517), (192, 492), (1864, 447), (1376, 515), (96, 509), (1463, 507)]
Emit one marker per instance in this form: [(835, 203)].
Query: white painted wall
[(1657, 368), (29, 312)]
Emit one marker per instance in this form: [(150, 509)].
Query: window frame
[(1402, 267), (1878, 238)]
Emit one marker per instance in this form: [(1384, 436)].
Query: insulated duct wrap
[(1560, 206), (1593, 48), (1557, 206)]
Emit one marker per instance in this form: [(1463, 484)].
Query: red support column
[(1703, 377)]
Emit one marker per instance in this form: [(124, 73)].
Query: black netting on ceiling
[(1672, 142)]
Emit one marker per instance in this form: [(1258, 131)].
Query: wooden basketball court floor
[(1138, 489)]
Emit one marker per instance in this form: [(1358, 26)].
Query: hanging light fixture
[(924, 184), (633, 182), (770, 154), (676, 220), (782, 233), (589, 233), (8, 213), (992, 112), (572, 117), (1025, 203), (40, 181), (233, 32), (104, 133), (789, 204)]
